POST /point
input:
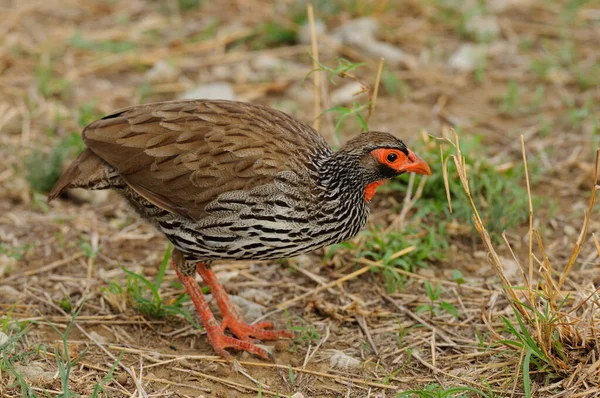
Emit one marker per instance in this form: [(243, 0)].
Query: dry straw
[(562, 328)]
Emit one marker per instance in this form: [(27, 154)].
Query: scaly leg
[(231, 317), (217, 339)]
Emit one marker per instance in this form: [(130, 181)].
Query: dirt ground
[(493, 70)]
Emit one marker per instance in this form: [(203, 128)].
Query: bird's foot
[(245, 331), (219, 341)]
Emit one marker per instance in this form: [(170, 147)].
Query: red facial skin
[(399, 162)]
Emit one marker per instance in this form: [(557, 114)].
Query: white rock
[(467, 57), (248, 309), (503, 5), (216, 90), (87, 196), (267, 62), (10, 293), (226, 276), (7, 264), (3, 338), (34, 373), (360, 33), (356, 30), (392, 54), (510, 268), (98, 337), (11, 121), (345, 94), (304, 33), (162, 72), (298, 395), (258, 296), (341, 360), (484, 27)]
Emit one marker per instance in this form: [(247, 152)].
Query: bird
[(227, 180)]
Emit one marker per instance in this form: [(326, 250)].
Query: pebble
[(346, 94), (256, 295), (504, 5), (12, 121), (467, 57), (360, 33), (9, 293), (249, 309), (3, 338), (341, 360), (304, 33), (484, 27), (163, 72), (282, 345), (122, 378), (35, 373), (7, 264), (216, 90), (87, 196)]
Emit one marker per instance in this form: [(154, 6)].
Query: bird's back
[(221, 179)]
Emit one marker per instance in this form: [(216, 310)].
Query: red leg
[(216, 337), (231, 317)]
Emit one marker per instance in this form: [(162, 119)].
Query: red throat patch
[(370, 190)]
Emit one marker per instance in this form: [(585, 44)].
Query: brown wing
[(181, 155)]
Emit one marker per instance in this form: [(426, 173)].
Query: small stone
[(3, 338), (393, 55), (163, 72), (17, 190), (282, 345), (484, 27), (569, 230), (224, 371), (510, 268), (360, 33), (150, 271), (480, 254), (98, 337), (356, 30), (9, 293), (504, 5), (7, 264), (467, 58), (304, 35), (81, 195), (268, 348), (346, 93), (341, 360), (122, 378), (426, 272), (216, 90), (226, 276), (248, 309), (256, 295), (297, 395), (268, 63), (11, 121), (34, 373)]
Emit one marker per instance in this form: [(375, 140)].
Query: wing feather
[(182, 155)]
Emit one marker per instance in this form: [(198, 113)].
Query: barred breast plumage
[(231, 180)]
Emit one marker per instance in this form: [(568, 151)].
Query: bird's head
[(380, 156)]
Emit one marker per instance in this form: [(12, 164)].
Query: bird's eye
[(392, 157)]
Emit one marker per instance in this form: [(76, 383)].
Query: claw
[(244, 330)]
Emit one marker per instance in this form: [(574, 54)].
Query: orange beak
[(416, 165)]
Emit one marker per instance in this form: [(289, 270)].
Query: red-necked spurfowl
[(235, 181)]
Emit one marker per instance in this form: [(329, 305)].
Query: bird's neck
[(341, 178)]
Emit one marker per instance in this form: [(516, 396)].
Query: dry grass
[(375, 317)]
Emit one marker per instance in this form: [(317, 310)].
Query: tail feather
[(87, 171)]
